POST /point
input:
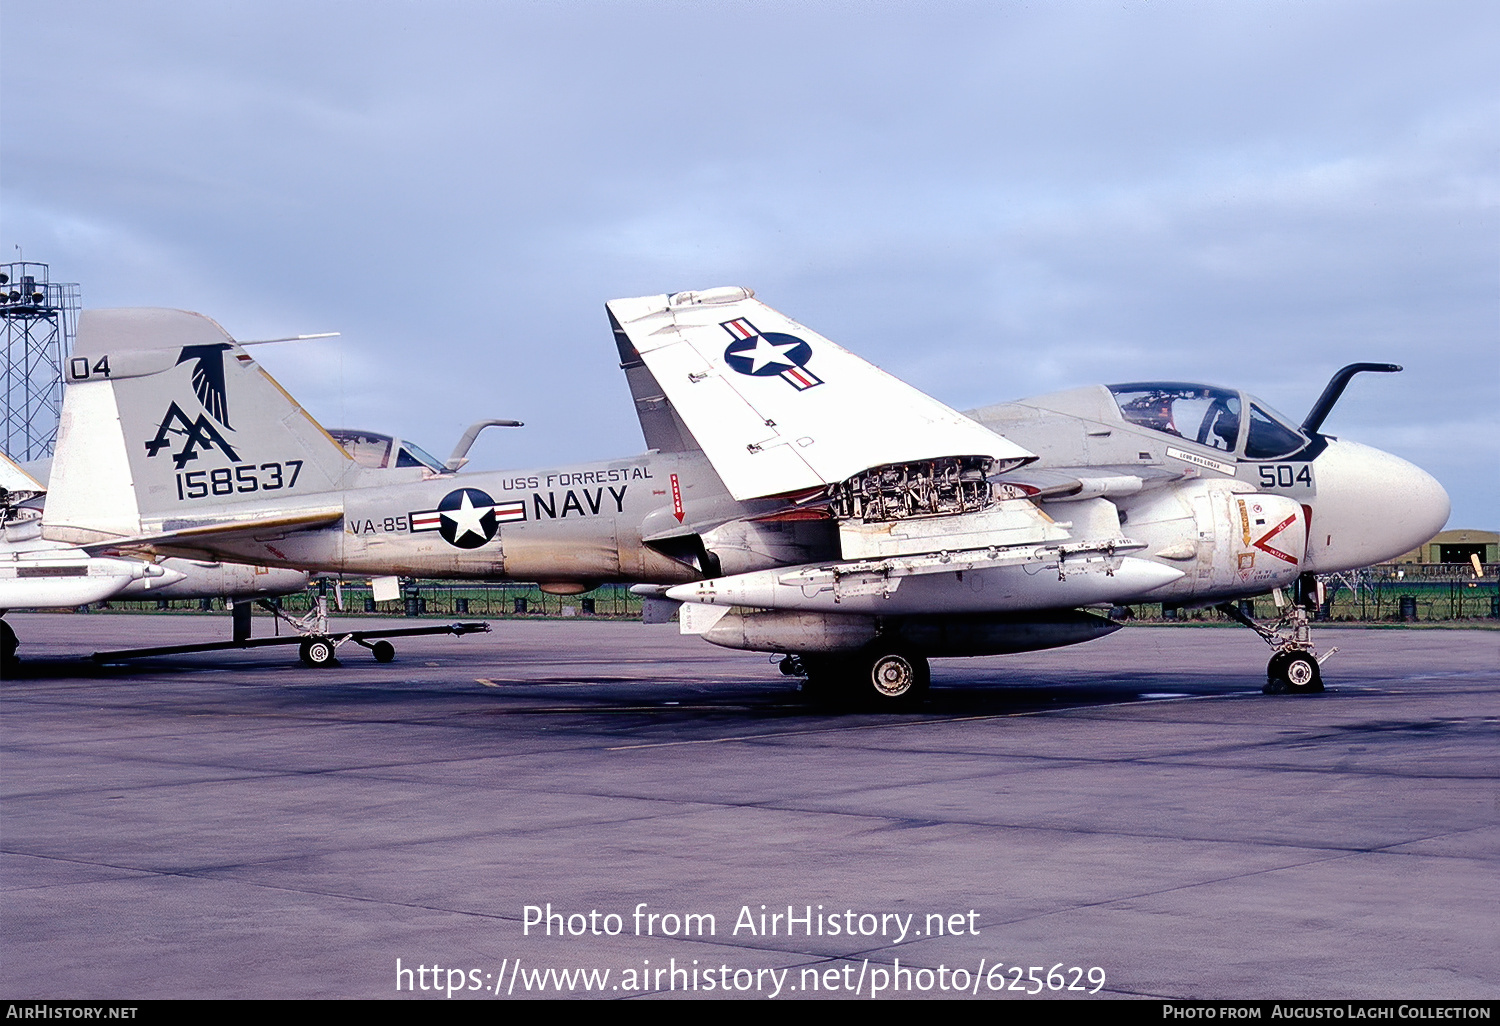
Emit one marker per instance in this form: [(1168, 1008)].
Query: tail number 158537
[(245, 477)]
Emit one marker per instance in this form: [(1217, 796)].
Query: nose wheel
[(1295, 668), (1293, 672)]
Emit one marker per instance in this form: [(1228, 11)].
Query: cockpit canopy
[(378, 452), (1209, 416)]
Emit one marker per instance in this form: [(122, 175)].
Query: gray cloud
[(989, 200)]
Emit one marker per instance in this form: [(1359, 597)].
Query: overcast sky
[(989, 200)]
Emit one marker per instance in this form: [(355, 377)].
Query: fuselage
[(582, 523), (665, 518)]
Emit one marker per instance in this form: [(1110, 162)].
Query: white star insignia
[(767, 352), (466, 519)]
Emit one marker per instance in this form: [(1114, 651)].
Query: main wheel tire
[(9, 664), (892, 679), (825, 677), (383, 651), (8, 646), (317, 652)]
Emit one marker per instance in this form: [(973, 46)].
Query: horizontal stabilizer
[(185, 534), (778, 408)]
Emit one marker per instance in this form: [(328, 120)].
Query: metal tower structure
[(40, 318)]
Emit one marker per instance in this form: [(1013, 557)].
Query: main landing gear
[(876, 677), (1295, 667), (8, 646)]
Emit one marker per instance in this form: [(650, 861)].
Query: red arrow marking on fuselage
[(677, 501), (1260, 543)]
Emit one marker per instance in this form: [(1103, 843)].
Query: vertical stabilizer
[(168, 420)]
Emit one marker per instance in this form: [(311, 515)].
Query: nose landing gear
[(1295, 667)]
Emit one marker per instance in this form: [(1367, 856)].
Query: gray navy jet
[(793, 498)]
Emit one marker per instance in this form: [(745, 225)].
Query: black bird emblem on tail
[(208, 379), (199, 433)]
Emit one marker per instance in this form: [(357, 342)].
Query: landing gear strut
[(876, 677), (1295, 667)]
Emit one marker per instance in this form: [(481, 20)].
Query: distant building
[(1456, 547)]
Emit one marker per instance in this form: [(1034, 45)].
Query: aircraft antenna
[(40, 319)]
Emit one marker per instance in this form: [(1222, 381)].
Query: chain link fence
[(445, 599), (1390, 593)]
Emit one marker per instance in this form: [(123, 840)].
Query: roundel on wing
[(767, 354), (467, 518)]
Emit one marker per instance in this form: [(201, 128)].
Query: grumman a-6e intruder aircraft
[(793, 498)]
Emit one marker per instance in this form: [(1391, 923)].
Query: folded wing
[(778, 408)]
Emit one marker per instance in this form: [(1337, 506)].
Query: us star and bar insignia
[(767, 354), (467, 517)]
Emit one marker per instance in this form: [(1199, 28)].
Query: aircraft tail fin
[(660, 422), (168, 419)]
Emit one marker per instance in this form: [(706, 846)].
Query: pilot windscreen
[(413, 456), (1270, 437)]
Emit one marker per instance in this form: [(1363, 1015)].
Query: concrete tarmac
[(1131, 811)]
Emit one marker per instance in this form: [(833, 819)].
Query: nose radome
[(1370, 507)]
